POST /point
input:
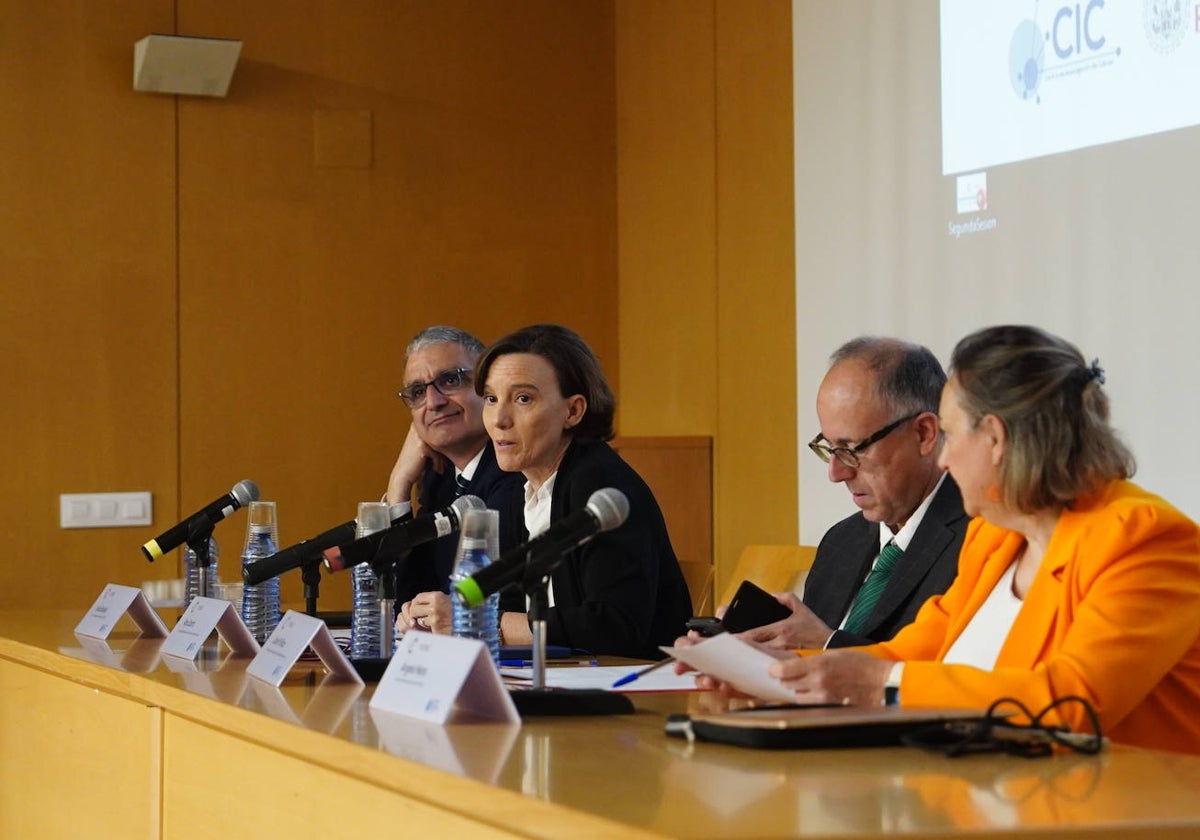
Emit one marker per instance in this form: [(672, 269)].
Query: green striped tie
[(873, 588)]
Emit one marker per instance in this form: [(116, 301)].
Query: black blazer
[(621, 593), (927, 568), (427, 567)]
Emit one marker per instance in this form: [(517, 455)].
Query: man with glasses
[(446, 454), (877, 407)]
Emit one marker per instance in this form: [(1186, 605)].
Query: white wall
[(1100, 246)]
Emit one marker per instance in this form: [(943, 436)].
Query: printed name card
[(443, 679), (203, 616), (114, 602), (297, 631)]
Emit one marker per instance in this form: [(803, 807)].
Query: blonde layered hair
[(1060, 445)]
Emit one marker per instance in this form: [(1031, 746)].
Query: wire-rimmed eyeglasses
[(848, 455), (447, 383)]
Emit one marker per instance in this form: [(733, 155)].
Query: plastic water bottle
[(364, 615), (476, 549), (191, 585), (366, 622), (260, 603)]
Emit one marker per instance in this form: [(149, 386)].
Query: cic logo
[(1075, 40)]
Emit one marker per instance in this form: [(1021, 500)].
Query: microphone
[(295, 556), (243, 493), (402, 536), (605, 510)]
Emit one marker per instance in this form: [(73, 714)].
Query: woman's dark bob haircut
[(575, 365)]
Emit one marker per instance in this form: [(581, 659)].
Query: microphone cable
[(994, 733)]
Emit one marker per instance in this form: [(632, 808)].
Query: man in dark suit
[(877, 407), (447, 453)]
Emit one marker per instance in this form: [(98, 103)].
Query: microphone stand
[(199, 540), (310, 573), (385, 571), (371, 668), (539, 605), (540, 699), (199, 535)]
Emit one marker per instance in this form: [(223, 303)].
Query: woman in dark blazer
[(549, 411)]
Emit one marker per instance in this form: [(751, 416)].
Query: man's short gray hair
[(908, 377), (444, 335)]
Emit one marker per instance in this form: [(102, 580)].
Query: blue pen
[(628, 678)]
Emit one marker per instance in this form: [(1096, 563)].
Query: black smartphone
[(752, 606), (705, 625)]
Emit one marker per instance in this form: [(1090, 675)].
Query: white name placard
[(114, 601), (441, 679), (203, 616), (297, 631)]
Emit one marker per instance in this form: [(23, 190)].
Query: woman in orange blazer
[(1072, 580)]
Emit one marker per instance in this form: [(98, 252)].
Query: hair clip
[(1096, 372)]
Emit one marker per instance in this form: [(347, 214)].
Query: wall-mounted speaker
[(182, 64)]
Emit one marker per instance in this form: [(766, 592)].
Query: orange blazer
[(1113, 616)]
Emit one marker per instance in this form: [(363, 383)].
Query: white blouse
[(985, 634)]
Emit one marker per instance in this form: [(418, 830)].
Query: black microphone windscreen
[(245, 492), (610, 507), (465, 503)]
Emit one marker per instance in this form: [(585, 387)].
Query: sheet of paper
[(738, 663)]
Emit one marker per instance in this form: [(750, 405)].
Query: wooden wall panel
[(488, 203), (269, 345), (87, 325), (65, 772), (706, 249), (258, 333), (678, 471), (246, 790), (667, 215), (756, 488)]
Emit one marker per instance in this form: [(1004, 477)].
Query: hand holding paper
[(741, 664)]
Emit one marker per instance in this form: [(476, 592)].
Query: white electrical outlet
[(105, 510)]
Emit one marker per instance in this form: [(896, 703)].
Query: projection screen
[(972, 163)]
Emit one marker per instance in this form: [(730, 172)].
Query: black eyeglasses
[(848, 455), (447, 383)]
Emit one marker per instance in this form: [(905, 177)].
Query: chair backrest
[(776, 568), (679, 472)]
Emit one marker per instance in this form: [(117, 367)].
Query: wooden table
[(108, 741)]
